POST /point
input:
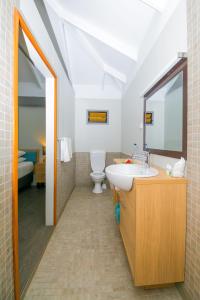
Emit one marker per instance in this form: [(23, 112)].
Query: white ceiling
[(30, 82), (114, 18), (101, 40)]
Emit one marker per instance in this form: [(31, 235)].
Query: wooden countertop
[(161, 177)]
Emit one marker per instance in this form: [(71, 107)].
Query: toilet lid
[(97, 159)]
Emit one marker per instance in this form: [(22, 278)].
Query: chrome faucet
[(143, 156)]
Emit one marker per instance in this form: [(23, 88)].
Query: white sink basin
[(121, 175)]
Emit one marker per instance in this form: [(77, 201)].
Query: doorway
[(34, 154)]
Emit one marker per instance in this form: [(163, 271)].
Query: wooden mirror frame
[(19, 22), (180, 66)]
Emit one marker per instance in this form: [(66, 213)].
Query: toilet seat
[(98, 175), (97, 160)]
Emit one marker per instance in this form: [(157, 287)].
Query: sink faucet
[(143, 156)]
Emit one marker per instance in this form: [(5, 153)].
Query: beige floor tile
[(85, 258)]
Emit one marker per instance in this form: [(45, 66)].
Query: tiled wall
[(66, 182), (83, 168), (66, 172), (6, 108), (192, 276)]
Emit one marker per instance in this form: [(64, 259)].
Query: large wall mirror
[(165, 114)]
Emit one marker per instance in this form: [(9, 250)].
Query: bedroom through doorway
[(33, 232), (34, 154)]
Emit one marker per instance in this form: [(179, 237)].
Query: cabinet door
[(127, 225), (161, 223)]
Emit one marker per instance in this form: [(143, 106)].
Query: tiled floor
[(85, 258), (33, 234)]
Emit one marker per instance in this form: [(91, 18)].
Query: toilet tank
[(97, 160)]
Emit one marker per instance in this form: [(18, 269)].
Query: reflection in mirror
[(166, 105), (164, 117)]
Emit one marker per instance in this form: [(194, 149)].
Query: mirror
[(165, 114)]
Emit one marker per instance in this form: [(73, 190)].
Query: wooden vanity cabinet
[(152, 226), (128, 226)]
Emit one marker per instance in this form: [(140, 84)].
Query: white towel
[(65, 154), (179, 168)]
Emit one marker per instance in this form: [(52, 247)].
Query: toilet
[(97, 160)]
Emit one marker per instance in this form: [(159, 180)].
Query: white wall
[(173, 39), (65, 98), (31, 127), (98, 136), (49, 207)]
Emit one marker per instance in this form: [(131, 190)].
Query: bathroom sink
[(121, 175)]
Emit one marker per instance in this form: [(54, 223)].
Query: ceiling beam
[(66, 42), (115, 73), (26, 55), (98, 33), (154, 4), (32, 68), (47, 23), (98, 59), (39, 79)]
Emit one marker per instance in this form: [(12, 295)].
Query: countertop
[(161, 177)]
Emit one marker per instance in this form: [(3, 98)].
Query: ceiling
[(31, 82), (101, 41)]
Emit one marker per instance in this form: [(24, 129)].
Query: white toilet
[(97, 160)]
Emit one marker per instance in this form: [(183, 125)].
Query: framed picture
[(148, 118), (97, 117)]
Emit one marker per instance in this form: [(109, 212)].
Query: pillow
[(21, 153), (21, 159)]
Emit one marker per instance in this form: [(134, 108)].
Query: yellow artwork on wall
[(148, 118), (100, 117)]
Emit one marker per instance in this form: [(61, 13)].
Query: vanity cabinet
[(153, 226)]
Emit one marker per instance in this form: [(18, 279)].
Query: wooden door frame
[(19, 22)]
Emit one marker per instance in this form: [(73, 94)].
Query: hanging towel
[(65, 155)]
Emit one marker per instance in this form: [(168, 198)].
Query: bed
[(25, 174), (26, 168)]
